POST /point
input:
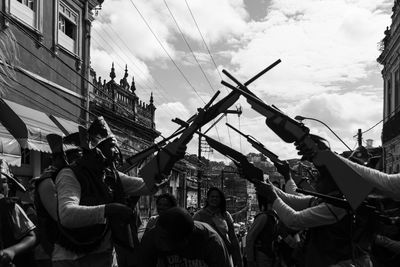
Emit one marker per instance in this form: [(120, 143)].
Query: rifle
[(272, 156), (363, 208), (163, 162), (290, 131), (134, 160), (250, 171), (257, 145)]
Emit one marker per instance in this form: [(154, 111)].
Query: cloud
[(319, 42)]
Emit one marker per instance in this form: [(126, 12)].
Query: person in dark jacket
[(178, 240)]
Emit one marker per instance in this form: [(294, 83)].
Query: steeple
[(124, 82), (112, 73), (151, 98), (133, 87)]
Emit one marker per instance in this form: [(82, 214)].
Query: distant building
[(52, 78), (390, 47)]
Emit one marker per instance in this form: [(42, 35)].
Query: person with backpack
[(262, 236)]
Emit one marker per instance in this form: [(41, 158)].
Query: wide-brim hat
[(99, 131)]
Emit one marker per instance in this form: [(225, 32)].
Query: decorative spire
[(124, 82), (133, 87), (126, 71), (151, 99), (112, 73)]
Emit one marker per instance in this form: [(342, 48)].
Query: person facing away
[(163, 203), (215, 214), (17, 236), (91, 196), (261, 237), (334, 235), (178, 240)]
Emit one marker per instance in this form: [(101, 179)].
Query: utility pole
[(359, 137), (199, 174), (238, 111)]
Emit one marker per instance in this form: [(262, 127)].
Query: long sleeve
[(72, 214), (322, 214), (389, 184), (296, 202)]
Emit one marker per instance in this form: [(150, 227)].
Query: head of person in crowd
[(164, 202), (175, 225), (102, 139), (58, 158), (8, 184), (74, 149), (216, 200), (324, 184)]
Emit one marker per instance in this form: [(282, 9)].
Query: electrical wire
[(162, 90), (166, 52), (205, 44), (188, 45)]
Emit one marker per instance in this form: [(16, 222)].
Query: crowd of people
[(84, 215), (84, 211)]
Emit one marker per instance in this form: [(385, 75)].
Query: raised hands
[(266, 190)]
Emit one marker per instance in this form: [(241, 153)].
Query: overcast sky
[(328, 71)]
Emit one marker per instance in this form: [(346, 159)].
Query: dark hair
[(177, 222), (171, 199), (222, 205)]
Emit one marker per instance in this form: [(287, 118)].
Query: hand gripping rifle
[(250, 172), (272, 156), (289, 130), (162, 163)]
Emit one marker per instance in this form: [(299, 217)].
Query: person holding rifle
[(333, 238), (91, 202)]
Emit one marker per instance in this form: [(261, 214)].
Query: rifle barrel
[(236, 130), (262, 72)]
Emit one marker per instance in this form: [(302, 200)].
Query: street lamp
[(301, 118)]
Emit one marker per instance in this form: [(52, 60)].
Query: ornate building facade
[(390, 59)]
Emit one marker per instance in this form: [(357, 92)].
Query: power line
[(198, 29), (162, 89), (100, 45), (51, 52), (190, 48), (46, 86), (165, 50)]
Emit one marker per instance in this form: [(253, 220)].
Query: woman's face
[(214, 199), (163, 204)]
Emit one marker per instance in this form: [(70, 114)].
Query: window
[(68, 27), (28, 12)]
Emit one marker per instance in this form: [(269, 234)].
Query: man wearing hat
[(16, 230), (91, 197)]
